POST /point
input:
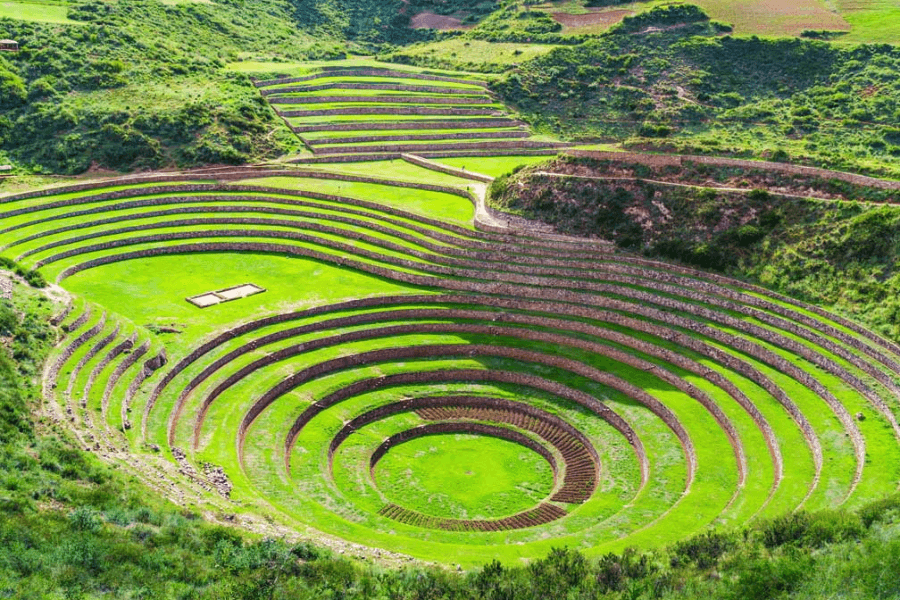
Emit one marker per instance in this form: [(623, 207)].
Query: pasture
[(46, 12), (859, 21)]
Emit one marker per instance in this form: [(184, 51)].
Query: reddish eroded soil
[(608, 17), (430, 20)]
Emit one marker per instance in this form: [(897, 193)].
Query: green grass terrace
[(409, 379)]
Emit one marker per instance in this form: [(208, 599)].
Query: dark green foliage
[(598, 3), (33, 278), (674, 76), (369, 21), (14, 423), (654, 131), (512, 23), (12, 87), (821, 34), (869, 237), (141, 85), (771, 577), (614, 572), (789, 529), (703, 550), (843, 255), (880, 510), (663, 16), (561, 571)]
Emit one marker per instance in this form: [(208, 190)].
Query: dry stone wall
[(393, 87), (323, 99), (411, 125)]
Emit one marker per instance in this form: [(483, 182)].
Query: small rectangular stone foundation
[(219, 296)]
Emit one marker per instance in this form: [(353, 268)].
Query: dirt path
[(669, 183), (717, 161)]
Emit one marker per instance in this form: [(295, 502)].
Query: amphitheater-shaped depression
[(615, 400)]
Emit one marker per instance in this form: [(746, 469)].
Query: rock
[(217, 477)]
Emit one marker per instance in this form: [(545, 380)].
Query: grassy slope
[(689, 90), (34, 11), (838, 254), (151, 91), (745, 567), (103, 536)]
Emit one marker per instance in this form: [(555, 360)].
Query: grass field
[(464, 477), (36, 11), (863, 21), (872, 21), (475, 52), (790, 17)]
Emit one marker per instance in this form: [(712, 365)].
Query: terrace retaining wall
[(662, 332), (344, 72), (411, 125), (434, 166), (393, 87), (426, 149), (473, 350), (665, 316), (662, 160), (465, 135), (471, 375), (392, 110), (117, 374), (323, 99)]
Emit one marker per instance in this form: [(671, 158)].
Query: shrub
[(12, 89), (308, 551), (562, 570), (703, 550), (9, 320), (880, 510), (661, 17), (767, 578), (614, 572), (831, 526), (85, 518), (788, 529)]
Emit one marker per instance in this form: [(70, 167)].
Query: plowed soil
[(608, 17), (430, 20)]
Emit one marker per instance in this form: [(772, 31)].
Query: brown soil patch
[(608, 17), (430, 20), (774, 17)]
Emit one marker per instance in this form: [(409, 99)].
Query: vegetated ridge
[(670, 80), (829, 241), (81, 529)]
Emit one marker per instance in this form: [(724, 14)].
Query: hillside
[(147, 85), (138, 85), (420, 299), (672, 81), (826, 240)]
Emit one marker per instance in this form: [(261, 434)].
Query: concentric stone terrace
[(386, 111), (628, 401)]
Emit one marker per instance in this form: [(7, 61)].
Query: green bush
[(702, 550), (662, 16), (767, 578), (785, 530), (880, 511), (832, 526)]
